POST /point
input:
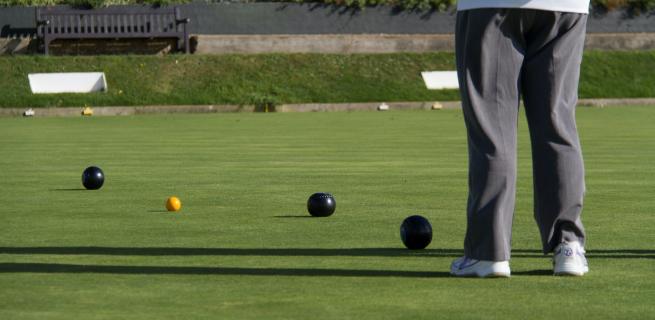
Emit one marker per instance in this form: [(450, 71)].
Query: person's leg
[(489, 61), (550, 86)]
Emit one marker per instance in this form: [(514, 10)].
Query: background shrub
[(440, 5)]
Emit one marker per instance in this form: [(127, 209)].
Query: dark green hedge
[(634, 5), (440, 5), (86, 3)]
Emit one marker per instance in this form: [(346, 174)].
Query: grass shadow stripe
[(300, 252), (541, 272), (176, 270), (173, 251), (294, 216)]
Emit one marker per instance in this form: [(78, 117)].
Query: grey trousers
[(503, 55)]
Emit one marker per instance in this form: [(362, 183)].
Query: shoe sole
[(497, 275), (571, 270), (569, 274), (484, 270)]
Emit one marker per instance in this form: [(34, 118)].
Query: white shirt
[(578, 6)]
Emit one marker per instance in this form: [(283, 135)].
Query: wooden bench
[(119, 22)]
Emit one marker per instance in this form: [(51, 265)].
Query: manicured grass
[(242, 247), (291, 78), (232, 79)]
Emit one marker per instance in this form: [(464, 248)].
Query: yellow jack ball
[(173, 204)]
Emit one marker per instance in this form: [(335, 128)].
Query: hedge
[(635, 6)]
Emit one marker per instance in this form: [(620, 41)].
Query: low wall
[(364, 43), (384, 43), (324, 43), (291, 27), (302, 107)]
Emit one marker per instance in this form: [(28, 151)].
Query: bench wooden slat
[(116, 22)]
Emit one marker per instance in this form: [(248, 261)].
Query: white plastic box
[(68, 82)]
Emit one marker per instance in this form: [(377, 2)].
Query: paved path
[(307, 107)]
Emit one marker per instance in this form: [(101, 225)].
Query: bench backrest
[(110, 22)]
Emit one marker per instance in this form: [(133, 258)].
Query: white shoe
[(465, 267), (569, 259)]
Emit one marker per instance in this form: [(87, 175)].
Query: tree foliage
[(438, 5)]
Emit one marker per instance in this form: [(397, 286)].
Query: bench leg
[(187, 50)]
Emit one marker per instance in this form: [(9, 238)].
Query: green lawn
[(243, 248), (288, 78)]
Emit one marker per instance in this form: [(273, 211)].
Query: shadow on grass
[(150, 270), (350, 252), (295, 216), (69, 189), (290, 252), (158, 211), (544, 272)]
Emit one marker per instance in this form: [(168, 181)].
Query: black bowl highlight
[(93, 178), (321, 204), (416, 232)]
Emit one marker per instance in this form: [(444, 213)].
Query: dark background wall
[(291, 18), (17, 22), (279, 18)]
